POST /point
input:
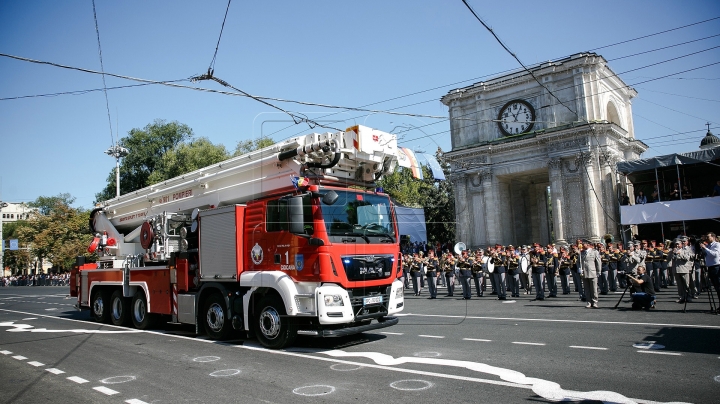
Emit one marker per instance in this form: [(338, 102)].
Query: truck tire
[(141, 318), (217, 325), (119, 308), (272, 328), (100, 306)]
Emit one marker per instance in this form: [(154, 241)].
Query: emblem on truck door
[(256, 254), (299, 262)]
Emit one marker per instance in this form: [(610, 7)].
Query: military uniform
[(416, 274), (449, 270), (591, 266), (513, 274), (537, 261), (477, 273), (565, 264), (575, 272), (465, 275), (433, 265), (499, 275), (524, 259), (552, 266), (603, 282)]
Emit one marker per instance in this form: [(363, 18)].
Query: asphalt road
[(444, 350)]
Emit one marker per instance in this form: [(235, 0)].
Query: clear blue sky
[(332, 52)]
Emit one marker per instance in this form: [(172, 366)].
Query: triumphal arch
[(533, 153)]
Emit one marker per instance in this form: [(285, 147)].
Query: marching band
[(526, 267)]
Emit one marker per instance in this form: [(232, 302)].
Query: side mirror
[(295, 215), (330, 198)]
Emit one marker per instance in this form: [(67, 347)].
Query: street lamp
[(117, 151)]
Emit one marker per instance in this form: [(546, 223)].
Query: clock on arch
[(516, 117)]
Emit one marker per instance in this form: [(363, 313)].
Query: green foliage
[(437, 198), (45, 204), (188, 157), (246, 146), (59, 235), (147, 147)]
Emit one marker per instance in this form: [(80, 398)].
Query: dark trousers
[(492, 283), (714, 275), (642, 299), (479, 283), (565, 283), (551, 280), (500, 284), (431, 279), (416, 276), (538, 280), (513, 279), (450, 280), (466, 288), (577, 280), (603, 282)]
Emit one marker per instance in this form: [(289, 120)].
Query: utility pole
[(117, 151)]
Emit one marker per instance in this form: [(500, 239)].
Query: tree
[(188, 157), (437, 199), (59, 235), (247, 146), (147, 147), (45, 204)]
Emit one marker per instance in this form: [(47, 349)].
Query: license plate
[(372, 300)]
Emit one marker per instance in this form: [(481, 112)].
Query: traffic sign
[(13, 244)]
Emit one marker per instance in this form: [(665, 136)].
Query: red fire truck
[(289, 240)]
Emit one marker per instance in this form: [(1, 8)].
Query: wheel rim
[(117, 309), (98, 306), (139, 310), (270, 323), (215, 317)]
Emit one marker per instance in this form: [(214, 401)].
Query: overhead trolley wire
[(102, 70)]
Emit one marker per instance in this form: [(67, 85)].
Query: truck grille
[(367, 267), (364, 311)]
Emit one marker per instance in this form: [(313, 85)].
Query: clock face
[(516, 117)]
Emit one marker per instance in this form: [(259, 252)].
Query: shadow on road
[(693, 340)]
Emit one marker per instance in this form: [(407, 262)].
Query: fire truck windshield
[(367, 216)]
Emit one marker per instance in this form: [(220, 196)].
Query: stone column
[(587, 160), (492, 211), (607, 163), (462, 216), (556, 194)]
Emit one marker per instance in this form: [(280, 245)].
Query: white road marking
[(427, 354), (341, 368), (5, 352), (477, 339), (55, 371), (106, 390), (117, 379), (588, 347), (30, 328), (36, 364), (423, 385), (225, 373), (312, 391), (29, 318), (509, 301), (648, 345), (528, 343), (414, 372), (206, 359), (19, 357), (76, 379), (550, 320), (391, 333), (135, 401), (50, 309), (431, 336), (662, 353)]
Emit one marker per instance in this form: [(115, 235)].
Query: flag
[(406, 158), (437, 171), (299, 182)]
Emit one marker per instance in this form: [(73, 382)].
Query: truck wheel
[(272, 329), (217, 325), (99, 306), (119, 308), (141, 318)]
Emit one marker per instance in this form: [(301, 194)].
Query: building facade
[(533, 155)]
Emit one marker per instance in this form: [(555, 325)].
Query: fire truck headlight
[(399, 293), (333, 300)]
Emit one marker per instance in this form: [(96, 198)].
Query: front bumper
[(342, 332)]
